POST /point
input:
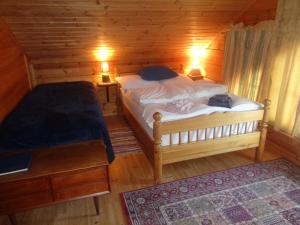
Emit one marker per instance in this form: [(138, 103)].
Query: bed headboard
[(13, 74), (124, 71)]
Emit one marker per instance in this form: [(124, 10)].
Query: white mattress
[(137, 110)]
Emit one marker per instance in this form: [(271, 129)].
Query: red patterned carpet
[(259, 194)]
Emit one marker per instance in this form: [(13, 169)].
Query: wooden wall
[(13, 74), (213, 63), (257, 12), (59, 37)]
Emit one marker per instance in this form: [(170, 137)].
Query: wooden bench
[(56, 175)]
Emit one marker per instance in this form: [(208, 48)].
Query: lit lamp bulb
[(105, 67), (197, 53), (105, 72)]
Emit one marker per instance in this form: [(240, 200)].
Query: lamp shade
[(104, 67)]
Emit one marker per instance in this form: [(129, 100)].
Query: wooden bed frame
[(162, 155)]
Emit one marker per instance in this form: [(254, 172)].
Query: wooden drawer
[(15, 189), (81, 190), (25, 202), (102, 94), (112, 94), (79, 177), (109, 109)]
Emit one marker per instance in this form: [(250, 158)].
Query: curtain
[(296, 129), (269, 65), (246, 59), (285, 69)]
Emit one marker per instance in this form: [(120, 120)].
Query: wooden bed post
[(119, 99), (263, 130), (157, 143)]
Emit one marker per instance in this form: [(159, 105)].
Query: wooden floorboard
[(128, 173)]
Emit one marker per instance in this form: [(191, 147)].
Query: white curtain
[(270, 65), (296, 129), (246, 59), (285, 69)]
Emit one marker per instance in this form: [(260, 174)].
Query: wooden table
[(108, 97), (57, 175)]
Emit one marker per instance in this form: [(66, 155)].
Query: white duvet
[(181, 98), (191, 107), (176, 89)]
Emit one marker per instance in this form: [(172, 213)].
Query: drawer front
[(112, 94), (24, 187), (102, 94), (109, 109), (25, 202), (79, 177), (81, 191)]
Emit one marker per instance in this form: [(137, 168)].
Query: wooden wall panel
[(13, 74), (213, 63), (72, 70), (257, 12), (56, 33)]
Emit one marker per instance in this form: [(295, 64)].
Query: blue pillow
[(156, 73)]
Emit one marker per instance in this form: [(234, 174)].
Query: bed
[(173, 122), (53, 115)]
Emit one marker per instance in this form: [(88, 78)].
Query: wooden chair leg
[(97, 204), (13, 219)]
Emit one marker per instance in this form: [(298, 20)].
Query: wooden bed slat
[(213, 120), (177, 153)]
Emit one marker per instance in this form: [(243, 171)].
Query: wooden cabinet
[(107, 93), (194, 78), (84, 182), (59, 174)]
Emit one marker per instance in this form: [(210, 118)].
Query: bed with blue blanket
[(55, 114)]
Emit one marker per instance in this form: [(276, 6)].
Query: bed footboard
[(217, 144)]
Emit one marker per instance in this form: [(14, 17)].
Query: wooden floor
[(128, 173)]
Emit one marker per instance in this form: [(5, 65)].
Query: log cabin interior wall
[(255, 13), (59, 37), (13, 73)]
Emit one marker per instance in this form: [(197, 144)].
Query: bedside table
[(195, 77), (200, 78), (108, 97)]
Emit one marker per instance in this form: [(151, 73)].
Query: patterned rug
[(259, 194), (124, 141)]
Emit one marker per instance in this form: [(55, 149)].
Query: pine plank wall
[(13, 73), (257, 12), (59, 36)]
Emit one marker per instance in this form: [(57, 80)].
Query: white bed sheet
[(137, 110)]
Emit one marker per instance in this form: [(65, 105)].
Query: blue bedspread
[(55, 114)]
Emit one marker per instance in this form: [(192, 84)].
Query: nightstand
[(108, 97), (195, 77), (200, 78)]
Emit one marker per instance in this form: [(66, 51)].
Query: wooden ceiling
[(55, 29)]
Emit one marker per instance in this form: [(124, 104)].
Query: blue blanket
[(55, 114)]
